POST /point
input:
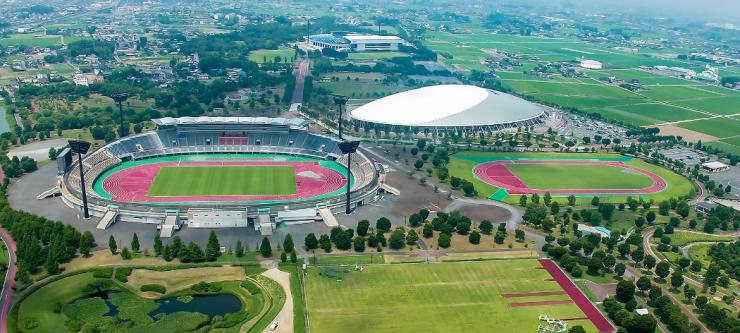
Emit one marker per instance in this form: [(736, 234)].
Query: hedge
[(157, 288), (103, 273), (122, 273)]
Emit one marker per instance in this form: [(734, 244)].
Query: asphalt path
[(8, 282)]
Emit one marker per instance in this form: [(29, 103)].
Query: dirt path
[(285, 316)]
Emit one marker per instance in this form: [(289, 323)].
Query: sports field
[(227, 180), (613, 177), (485, 296), (217, 178), (561, 176)]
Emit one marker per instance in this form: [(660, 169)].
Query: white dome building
[(446, 108)]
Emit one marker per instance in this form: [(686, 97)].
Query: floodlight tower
[(81, 147), (348, 147), (120, 98), (341, 102)]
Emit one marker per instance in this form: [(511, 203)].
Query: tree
[(359, 244), (713, 273), (677, 279), (87, 241), (695, 266), (595, 201), (418, 164), (519, 235), (166, 253), (486, 227), (135, 243), (213, 247), (535, 198), (689, 292), (266, 248), (157, 245), (554, 208), (325, 243), (547, 198), (639, 323), (415, 220), (625, 291), (662, 269), (427, 231), (649, 262), (474, 237), (293, 256), (383, 224), (444, 241), (362, 228), (571, 200), (523, 200), (650, 217), (125, 253), (664, 207), (311, 242), (644, 284), (619, 269), (283, 257), (397, 239), (499, 237), (701, 301), (288, 245), (112, 246), (239, 251), (684, 262), (577, 329)]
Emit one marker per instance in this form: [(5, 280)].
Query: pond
[(209, 305)]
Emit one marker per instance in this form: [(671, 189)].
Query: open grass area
[(224, 180), (719, 127), (361, 85), (443, 297), (37, 40), (286, 55), (560, 176), (681, 238)]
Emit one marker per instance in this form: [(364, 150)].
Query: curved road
[(8, 282)]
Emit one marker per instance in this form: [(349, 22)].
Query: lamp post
[(341, 102), (119, 98), (81, 147), (348, 147)]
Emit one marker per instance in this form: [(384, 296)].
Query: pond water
[(209, 305)]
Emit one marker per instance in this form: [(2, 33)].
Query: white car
[(273, 326)]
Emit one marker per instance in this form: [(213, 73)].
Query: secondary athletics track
[(312, 181), (497, 174), (588, 308)]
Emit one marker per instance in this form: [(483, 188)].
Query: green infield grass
[(442, 297), (569, 176), (224, 180)]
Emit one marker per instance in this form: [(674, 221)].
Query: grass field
[(224, 180), (719, 127), (443, 297), (559, 176), (681, 238), (30, 40), (268, 56)]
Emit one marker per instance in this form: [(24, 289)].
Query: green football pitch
[(440, 297), (223, 180), (569, 176)]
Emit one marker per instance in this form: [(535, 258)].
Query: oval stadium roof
[(448, 105)]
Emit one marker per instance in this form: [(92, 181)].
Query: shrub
[(230, 319), (57, 307), (157, 288), (73, 325), (122, 274), (205, 287), (103, 273)]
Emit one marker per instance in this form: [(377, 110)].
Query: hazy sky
[(702, 10)]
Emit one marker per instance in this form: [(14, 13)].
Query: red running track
[(588, 308), (497, 174), (132, 184)]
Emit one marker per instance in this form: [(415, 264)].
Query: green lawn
[(268, 56), (681, 238), (224, 180), (563, 176), (442, 297), (36, 40), (719, 127)]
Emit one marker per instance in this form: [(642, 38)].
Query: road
[(301, 70), (284, 318), (8, 282)]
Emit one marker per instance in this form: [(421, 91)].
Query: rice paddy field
[(224, 180), (663, 100), (474, 296)]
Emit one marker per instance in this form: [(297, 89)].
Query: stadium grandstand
[(448, 108), (220, 141), (344, 41)]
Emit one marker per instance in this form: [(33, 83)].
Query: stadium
[(212, 172), (448, 108)]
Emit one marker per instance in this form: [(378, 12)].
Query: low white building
[(361, 43), (715, 166), (591, 64)]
